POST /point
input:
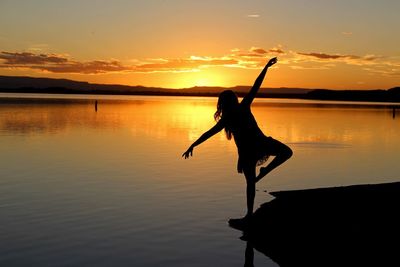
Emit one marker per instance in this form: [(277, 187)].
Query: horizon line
[(195, 86)]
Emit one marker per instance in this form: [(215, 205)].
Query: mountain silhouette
[(20, 84)]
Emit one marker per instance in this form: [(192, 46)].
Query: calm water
[(109, 188)]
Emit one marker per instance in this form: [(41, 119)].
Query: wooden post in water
[(95, 105)]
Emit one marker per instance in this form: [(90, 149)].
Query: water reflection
[(32, 116), (71, 176), (301, 123), (363, 139)]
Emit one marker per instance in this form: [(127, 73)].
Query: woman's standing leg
[(250, 174)]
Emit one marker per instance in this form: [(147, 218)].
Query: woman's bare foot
[(240, 223), (263, 171)]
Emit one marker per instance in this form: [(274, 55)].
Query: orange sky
[(174, 43)]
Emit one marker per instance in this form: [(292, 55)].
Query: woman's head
[(227, 103)]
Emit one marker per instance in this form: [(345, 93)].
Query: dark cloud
[(348, 59), (258, 50), (57, 64), (371, 58), (276, 50), (30, 58), (328, 56), (92, 67)]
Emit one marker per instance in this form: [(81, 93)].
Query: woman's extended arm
[(215, 129), (257, 84)]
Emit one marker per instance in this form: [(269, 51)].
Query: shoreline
[(54, 98), (317, 95)]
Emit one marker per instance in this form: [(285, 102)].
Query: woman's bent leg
[(281, 152)]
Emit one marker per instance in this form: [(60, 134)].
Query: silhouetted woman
[(254, 147)]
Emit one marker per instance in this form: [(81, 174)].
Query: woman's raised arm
[(257, 84)]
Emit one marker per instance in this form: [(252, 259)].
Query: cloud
[(381, 70), (348, 59), (91, 67), (347, 33), (253, 16), (252, 52), (276, 51), (252, 58), (326, 56), (258, 50), (38, 48), (60, 64), (57, 64), (183, 65), (256, 54), (372, 64), (30, 58)]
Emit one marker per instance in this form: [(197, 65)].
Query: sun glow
[(200, 78)]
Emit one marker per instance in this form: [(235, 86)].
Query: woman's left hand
[(188, 153)]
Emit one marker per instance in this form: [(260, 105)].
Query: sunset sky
[(341, 44)]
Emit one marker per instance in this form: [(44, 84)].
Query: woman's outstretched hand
[(188, 153), (272, 61)]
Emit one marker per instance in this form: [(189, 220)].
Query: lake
[(108, 187)]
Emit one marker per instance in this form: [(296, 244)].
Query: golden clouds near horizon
[(236, 67)]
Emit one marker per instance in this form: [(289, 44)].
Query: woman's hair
[(227, 102)]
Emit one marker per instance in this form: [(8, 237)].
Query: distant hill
[(19, 84), (49, 85), (391, 95)]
